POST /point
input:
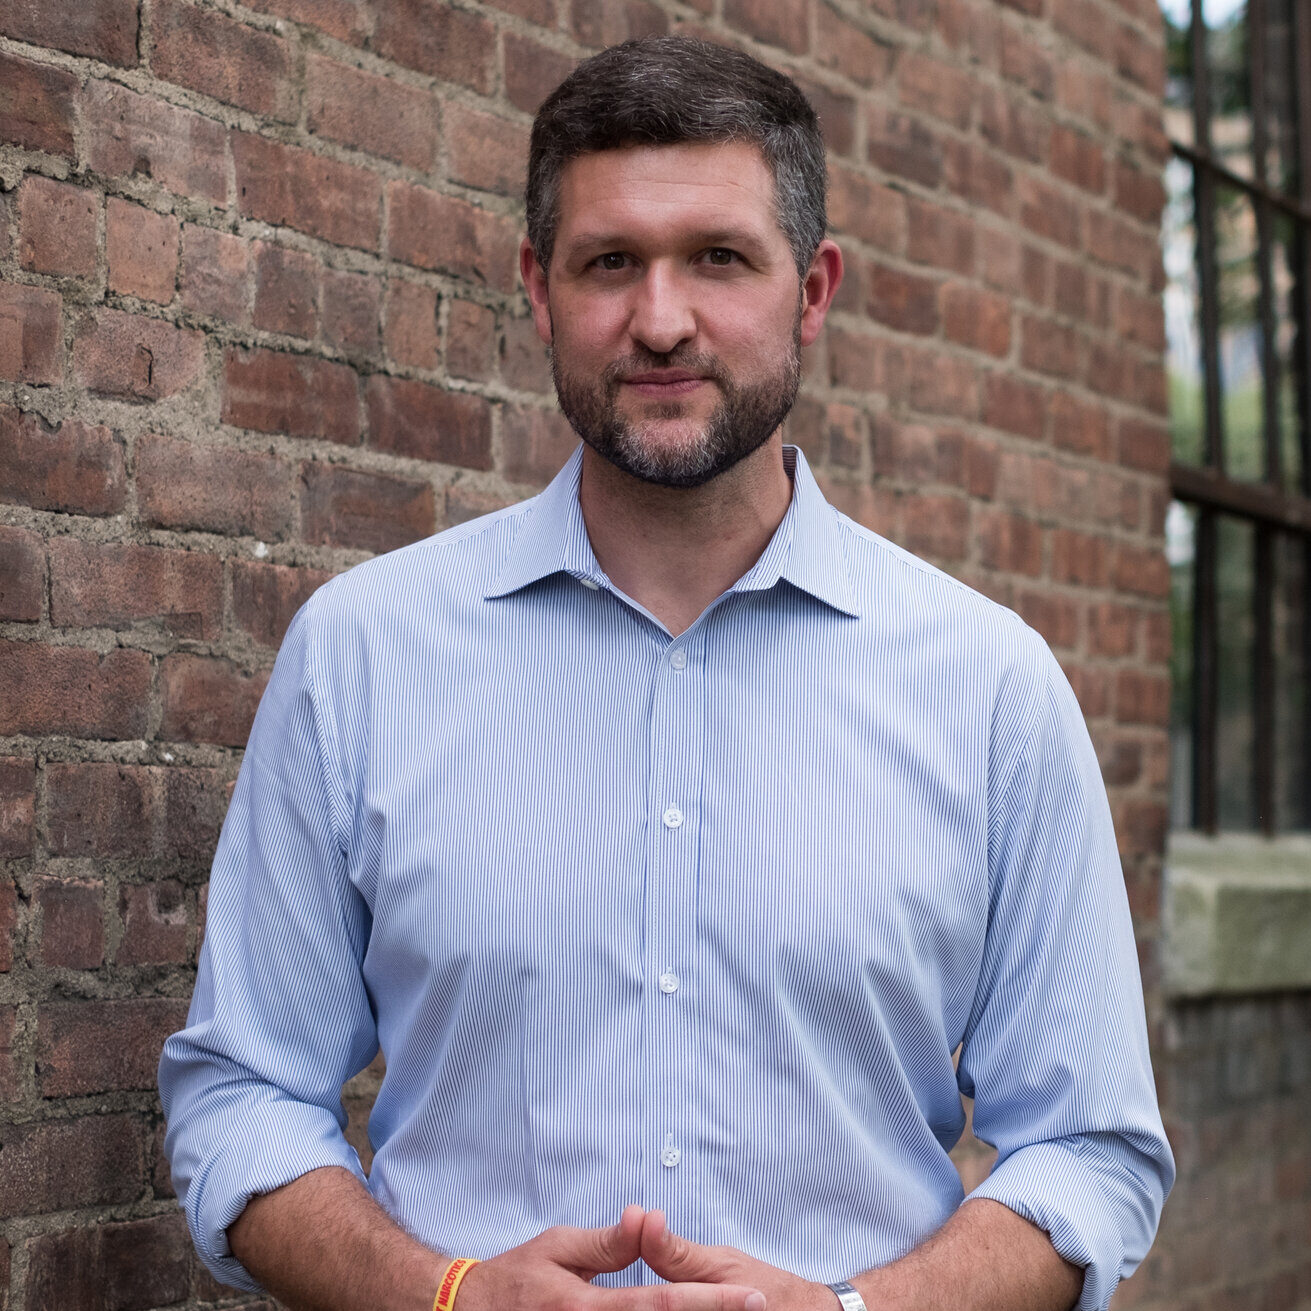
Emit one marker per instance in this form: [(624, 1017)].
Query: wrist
[(846, 1296), (453, 1277)]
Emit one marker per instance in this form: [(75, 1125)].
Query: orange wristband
[(451, 1281)]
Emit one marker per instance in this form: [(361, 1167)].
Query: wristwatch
[(850, 1299)]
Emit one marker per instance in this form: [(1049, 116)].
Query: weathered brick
[(1080, 426), (184, 485), (485, 151), (1055, 617), (103, 1046), (1123, 245), (1010, 542), (57, 227), (905, 452), (434, 38), (100, 29), (133, 357), (98, 809), (154, 919), (1111, 629), (36, 105), (286, 290), (347, 20), (210, 53), (215, 276), (208, 700), (66, 689), (934, 87), (31, 342), (465, 502), (22, 575), (1008, 123), (265, 597), (866, 210), (1142, 697), (11, 1090), (54, 1165), (535, 443), (1140, 318), (785, 26), (195, 802), (376, 114), (902, 145), (414, 418), (17, 812), (433, 231), (71, 913), (142, 249), (297, 394), (128, 133), (1139, 193), (1050, 347), (346, 507), (943, 384), (410, 331), (471, 341), (72, 468), (299, 189), (523, 356), (1077, 158), (1025, 62), (1143, 444), (532, 71), (901, 300), (351, 303), (837, 114), (10, 808), (1082, 559), (937, 526), (110, 1267), (844, 47), (976, 173), (977, 318), (939, 236), (114, 586), (1142, 571)]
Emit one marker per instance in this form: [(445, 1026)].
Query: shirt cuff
[(1096, 1210), (270, 1145)]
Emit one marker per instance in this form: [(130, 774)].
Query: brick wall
[(259, 318)]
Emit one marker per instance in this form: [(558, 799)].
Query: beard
[(745, 418)]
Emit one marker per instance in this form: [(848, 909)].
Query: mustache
[(647, 361)]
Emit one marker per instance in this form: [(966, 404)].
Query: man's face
[(673, 308)]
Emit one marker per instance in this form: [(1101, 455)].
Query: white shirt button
[(590, 582), (670, 1157), (673, 817), (678, 658), (669, 981)]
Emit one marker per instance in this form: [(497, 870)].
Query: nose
[(662, 317)]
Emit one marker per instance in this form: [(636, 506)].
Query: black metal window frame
[(1270, 505)]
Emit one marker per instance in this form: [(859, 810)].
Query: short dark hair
[(664, 90)]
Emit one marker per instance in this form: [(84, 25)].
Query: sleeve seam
[(334, 786)]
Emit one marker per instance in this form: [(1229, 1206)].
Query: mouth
[(666, 384)]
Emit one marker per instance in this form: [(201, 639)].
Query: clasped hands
[(553, 1272)]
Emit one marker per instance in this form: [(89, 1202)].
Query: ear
[(534, 279), (822, 282)]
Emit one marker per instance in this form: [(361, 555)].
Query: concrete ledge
[(1237, 915)]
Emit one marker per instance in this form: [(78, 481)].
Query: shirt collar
[(806, 549)]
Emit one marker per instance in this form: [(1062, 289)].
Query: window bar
[(1302, 297), (1205, 683), (1263, 680)]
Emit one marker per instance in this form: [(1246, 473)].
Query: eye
[(611, 262), (721, 257)]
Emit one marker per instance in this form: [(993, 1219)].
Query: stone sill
[(1236, 916)]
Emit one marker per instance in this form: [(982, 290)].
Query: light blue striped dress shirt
[(693, 922)]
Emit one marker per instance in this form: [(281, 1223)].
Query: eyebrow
[(732, 237)]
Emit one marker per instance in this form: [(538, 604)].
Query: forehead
[(652, 189)]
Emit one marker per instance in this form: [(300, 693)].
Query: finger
[(679, 1259), (594, 1250), (681, 1297)]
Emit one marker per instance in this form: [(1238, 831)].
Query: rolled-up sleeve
[(280, 1017), (1055, 1053)]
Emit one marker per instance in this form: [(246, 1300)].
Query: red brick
[(1140, 318), (842, 46), (975, 173), (372, 113), (1140, 60), (57, 227), (298, 189), (8, 896), (98, 809), (1008, 123), (532, 71), (772, 24), (17, 815), (31, 340), (184, 485), (110, 1267), (937, 526), (195, 802), (433, 231), (1081, 294), (943, 384), (1049, 347), (142, 249), (36, 104), (868, 211), (471, 341), (535, 444), (136, 358), (1084, 91), (1055, 617), (1142, 571), (902, 145), (1025, 63), (905, 452), (103, 1046), (209, 53), (1078, 159), (1049, 212), (215, 275), (465, 502), (286, 290), (208, 700), (1086, 25), (142, 136), (1036, 274), (485, 151), (941, 237), (596, 23), (1142, 697), (1140, 194), (901, 300), (72, 468), (1122, 245), (430, 36), (523, 356), (977, 318), (6, 235), (101, 29), (410, 332), (350, 311), (1080, 558), (296, 394), (154, 924), (1144, 445), (66, 689), (934, 87), (11, 1090), (1009, 542), (22, 575), (1121, 762), (347, 20), (371, 512), (1158, 636), (72, 917), (1111, 629), (837, 115), (981, 464), (94, 585), (56, 1165), (1080, 426), (265, 597)]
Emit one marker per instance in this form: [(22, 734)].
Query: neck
[(674, 550)]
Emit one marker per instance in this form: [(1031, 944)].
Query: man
[(670, 832)]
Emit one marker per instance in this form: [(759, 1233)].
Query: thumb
[(590, 1251), (678, 1259)]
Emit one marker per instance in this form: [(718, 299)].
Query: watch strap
[(850, 1299)]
